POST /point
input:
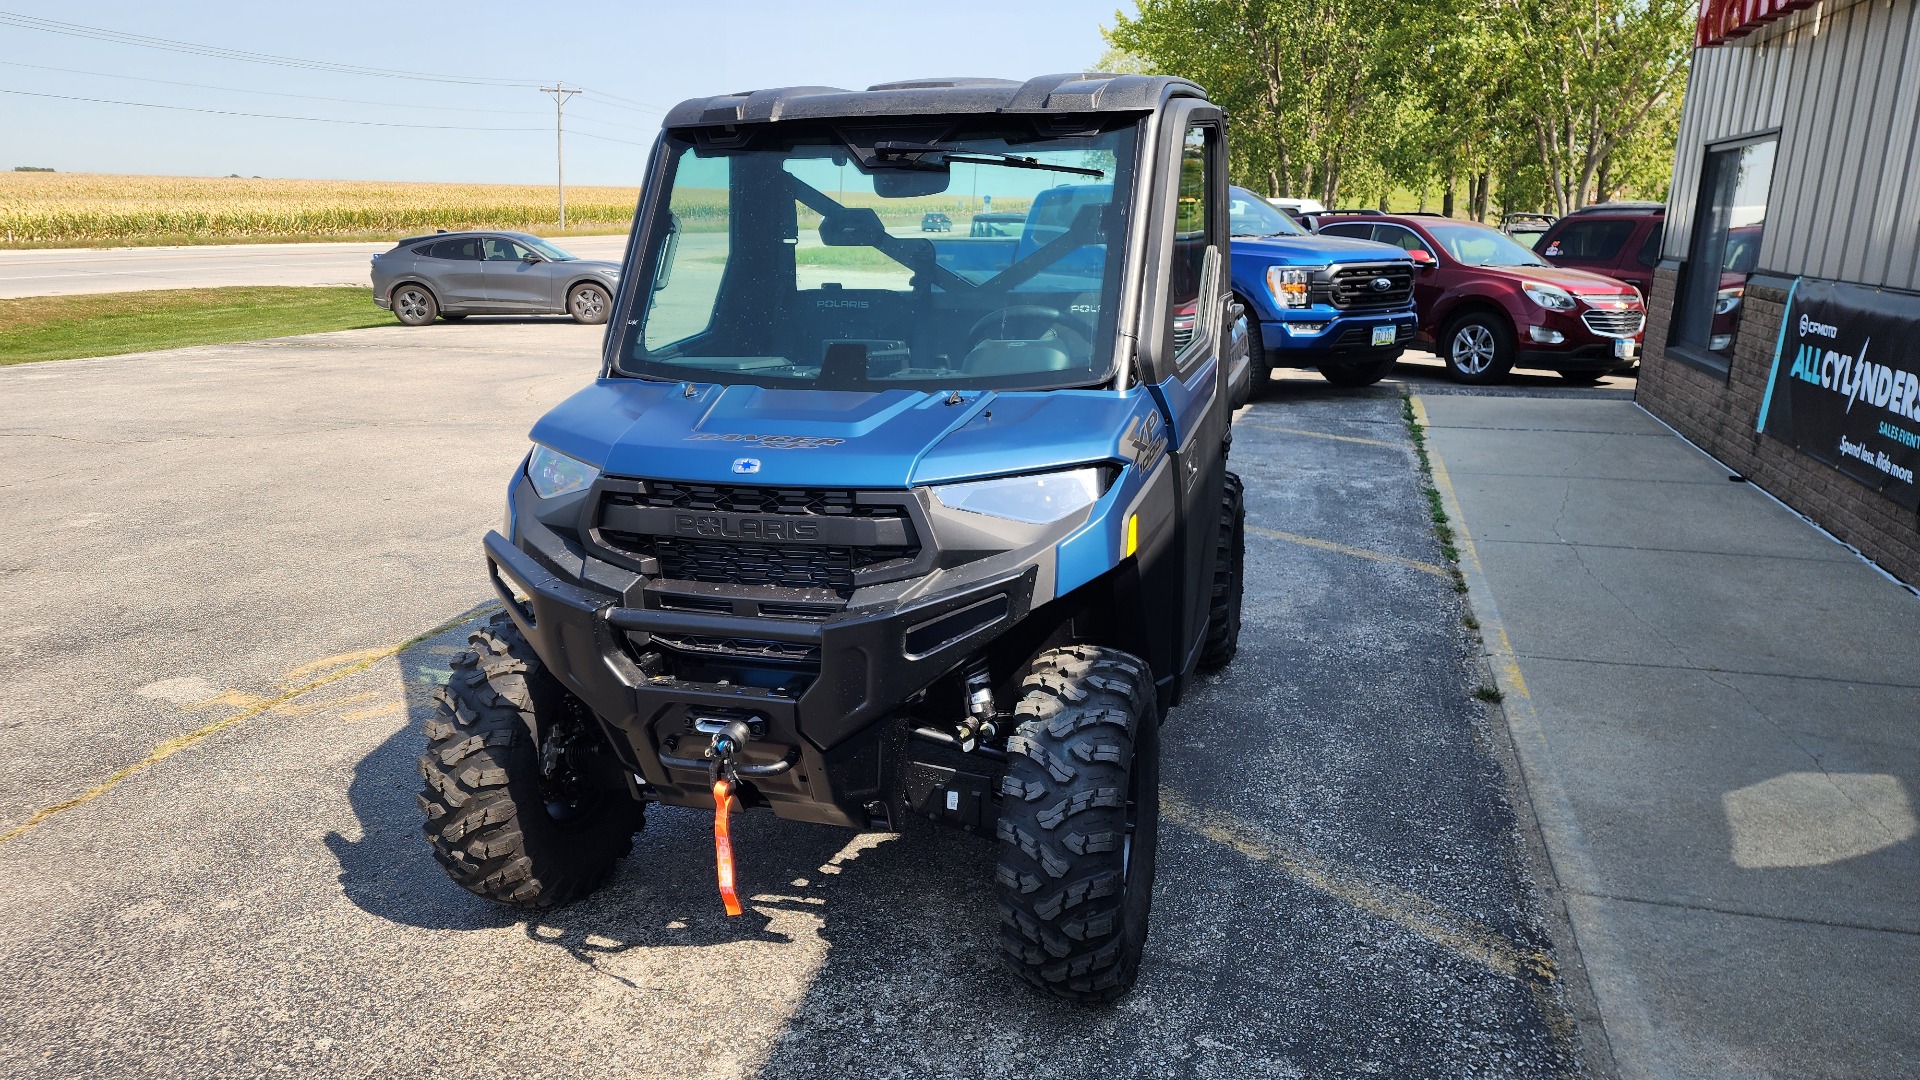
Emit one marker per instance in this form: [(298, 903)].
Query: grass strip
[(107, 324), (1436, 512)]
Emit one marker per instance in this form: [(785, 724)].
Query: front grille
[(1352, 287), (752, 500), (745, 648), (1614, 324), (857, 539), (783, 566)]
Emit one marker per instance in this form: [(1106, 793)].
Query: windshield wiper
[(938, 156)]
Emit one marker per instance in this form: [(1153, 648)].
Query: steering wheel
[(1009, 323)]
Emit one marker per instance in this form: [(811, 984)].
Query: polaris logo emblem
[(746, 465), (1380, 284), (743, 527)]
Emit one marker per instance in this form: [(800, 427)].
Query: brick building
[(1796, 199)]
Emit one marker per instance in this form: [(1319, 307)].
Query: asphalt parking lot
[(238, 570)]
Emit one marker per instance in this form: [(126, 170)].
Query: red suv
[(1618, 239), (1487, 304)]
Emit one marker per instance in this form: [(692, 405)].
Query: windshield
[(799, 260), (1477, 245), (550, 250), (1255, 216)]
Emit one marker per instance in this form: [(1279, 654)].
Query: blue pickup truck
[(1342, 306)]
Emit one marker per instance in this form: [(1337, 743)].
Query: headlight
[(1726, 300), (1288, 285), (555, 474), (1552, 297), (1036, 500)]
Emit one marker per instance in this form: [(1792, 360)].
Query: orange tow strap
[(723, 845)]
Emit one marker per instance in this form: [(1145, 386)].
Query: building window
[(1727, 229)]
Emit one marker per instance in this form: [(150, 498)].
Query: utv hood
[(887, 439)]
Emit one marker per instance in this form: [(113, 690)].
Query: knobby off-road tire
[(501, 827), (1079, 823), (1229, 566)]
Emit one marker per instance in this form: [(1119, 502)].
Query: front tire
[(1478, 349), (1359, 373), (520, 824), (1079, 823), (589, 304), (414, 305), (1259, 367), (1229, 565)]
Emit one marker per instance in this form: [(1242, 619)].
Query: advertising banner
[(1845, 387)]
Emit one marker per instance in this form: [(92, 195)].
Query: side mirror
[(1422, 258), (533, 257)]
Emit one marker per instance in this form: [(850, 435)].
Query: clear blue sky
[(651, 53)]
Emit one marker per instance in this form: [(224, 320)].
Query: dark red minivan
[(1488, 305)]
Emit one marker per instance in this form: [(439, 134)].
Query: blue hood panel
[(888, 439), (1316, 250)]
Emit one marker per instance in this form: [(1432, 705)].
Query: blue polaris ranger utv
[(1343, 306), (859, 525)]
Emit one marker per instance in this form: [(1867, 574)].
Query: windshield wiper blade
[(937, 156)]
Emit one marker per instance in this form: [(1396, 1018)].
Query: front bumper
[(1342, 337), (824, 754)]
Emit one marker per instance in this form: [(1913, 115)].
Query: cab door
[(1185, 338)]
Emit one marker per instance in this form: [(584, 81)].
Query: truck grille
[(1614, 324), (1352, 287), (644, 520)]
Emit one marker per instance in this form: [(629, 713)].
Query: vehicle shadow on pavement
[(664, 893)]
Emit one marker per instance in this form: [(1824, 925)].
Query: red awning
[(1723, 20)]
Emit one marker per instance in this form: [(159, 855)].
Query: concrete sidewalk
[(1716, 710)]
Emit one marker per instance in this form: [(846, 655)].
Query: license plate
[(1383, 335), (1623, 348)]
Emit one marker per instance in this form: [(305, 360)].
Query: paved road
[(246, 535), (70, 271)]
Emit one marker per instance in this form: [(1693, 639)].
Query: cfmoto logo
[(1380, 284), (746, 465)]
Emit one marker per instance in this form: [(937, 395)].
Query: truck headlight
[(1036, 500), (1288, 285), (1551, 297), (555, 474)]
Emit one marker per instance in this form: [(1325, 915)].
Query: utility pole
[(560, 94)]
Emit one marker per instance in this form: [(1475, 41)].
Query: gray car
[(454, 275)]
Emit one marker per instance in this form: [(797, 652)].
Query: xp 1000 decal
[(1845, 387)]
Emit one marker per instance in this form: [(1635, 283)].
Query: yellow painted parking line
[(1415, 914), (252, 707), (1358, 553), (1321, 435)]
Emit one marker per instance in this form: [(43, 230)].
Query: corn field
[(81, 209)]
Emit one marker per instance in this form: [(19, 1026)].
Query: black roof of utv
[(1088, 92)]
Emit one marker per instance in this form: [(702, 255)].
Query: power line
[(275, 116), (277, 93), (145, 41), (629, 104)]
